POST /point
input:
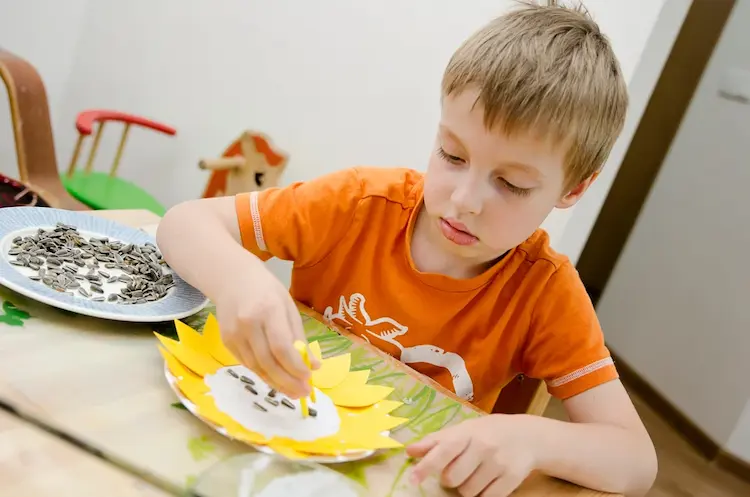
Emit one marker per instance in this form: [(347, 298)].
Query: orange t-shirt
[(349, 233)]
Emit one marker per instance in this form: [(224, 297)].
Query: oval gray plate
[(183, 300)]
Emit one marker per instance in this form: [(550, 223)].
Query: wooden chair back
[(32, 131), (523, 395)]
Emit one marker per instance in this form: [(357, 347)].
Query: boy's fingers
[(462, 467), (419, 449), (287, 383), (244, 354), (281, 344), (437, 459), (505, 485), (479, 480), (298, 333)]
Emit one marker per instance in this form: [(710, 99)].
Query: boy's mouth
[(457, 232)]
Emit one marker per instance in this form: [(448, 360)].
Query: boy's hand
[(489, 456), (259, 324)]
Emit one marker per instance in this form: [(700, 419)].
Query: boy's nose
[(467, 199)]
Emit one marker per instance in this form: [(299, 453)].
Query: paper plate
[(181, 299), (321, 459)]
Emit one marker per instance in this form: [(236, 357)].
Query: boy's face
[(486, 192)]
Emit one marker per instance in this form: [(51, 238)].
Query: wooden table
[(34, 463), (102, 383)]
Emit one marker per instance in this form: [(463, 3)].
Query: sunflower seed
[(287, 403), (232, 373), (245, 379), (271, 401), (249, 388), (83, 292), (272, 393), (96, 288), (112, 297), (260, 407), (17, 263), (97, 299), (312, 412)]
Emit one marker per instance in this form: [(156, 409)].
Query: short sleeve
[(565, 346), (301, 222)]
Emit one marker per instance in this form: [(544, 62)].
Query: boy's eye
[(515, 190), (450, 158)]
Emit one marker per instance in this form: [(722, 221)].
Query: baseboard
[(681, 423), (693, 434), (733, 464)]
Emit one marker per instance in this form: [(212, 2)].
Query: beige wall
[(676, 307)]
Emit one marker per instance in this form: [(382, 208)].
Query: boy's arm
[(201, 240), (605, 446), (206, 240)]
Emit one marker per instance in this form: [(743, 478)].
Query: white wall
[(44, 32), (676, 305), (335, 83)]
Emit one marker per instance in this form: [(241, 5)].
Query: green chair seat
[(102, 191)]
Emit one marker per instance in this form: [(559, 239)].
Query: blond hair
[(549, 70)]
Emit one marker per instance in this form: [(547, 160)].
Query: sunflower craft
[(345, 415)]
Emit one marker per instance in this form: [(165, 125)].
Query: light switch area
[(734, 85)]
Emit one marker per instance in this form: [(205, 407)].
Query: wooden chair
[(105, 190), (523, 395), (35, 147), (250, 163)]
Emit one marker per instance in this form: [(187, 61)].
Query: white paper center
[(232, 398)]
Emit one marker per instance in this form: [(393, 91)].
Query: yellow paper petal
[(287, 451), (192, 386), (200, 364), (207, 410), (344, 441), (374, 422), (358, 396), (189, 337), (176, 367), (383, 407), (352, 380), (332, 371), (315, 349), (215, 345)]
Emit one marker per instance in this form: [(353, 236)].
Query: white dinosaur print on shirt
[(352, 314)]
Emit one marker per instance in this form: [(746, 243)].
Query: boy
[(448, 271)]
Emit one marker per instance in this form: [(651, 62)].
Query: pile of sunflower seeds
[(66, 261), (269, 398)]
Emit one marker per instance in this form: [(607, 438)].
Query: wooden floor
[(683, 472)]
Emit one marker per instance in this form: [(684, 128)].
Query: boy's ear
[(574, 195)]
